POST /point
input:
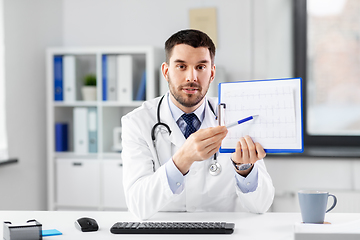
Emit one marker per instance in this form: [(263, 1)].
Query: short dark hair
[(191, 37)]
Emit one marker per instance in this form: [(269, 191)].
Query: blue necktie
[(189, 119)]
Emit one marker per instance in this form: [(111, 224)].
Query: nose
[(191, 75)]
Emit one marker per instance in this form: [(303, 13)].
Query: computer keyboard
[(172, 228)]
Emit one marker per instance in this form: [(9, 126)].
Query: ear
[(213, 71), (165, 70)]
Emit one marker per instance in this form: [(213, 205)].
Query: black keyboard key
[(172, 228)]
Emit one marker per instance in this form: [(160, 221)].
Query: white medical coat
[(147, 191)]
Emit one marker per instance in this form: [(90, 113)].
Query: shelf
[(97, 104), (75, 104), (74, 119), (101, 50), (118, 104), (72, 155), (110, 156)]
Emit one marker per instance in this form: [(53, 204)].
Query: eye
[(201, 67), (181, 67)]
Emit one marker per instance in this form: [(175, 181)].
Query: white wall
[(254, 36), (339, 176), (30, 27), (143, 22), (272, 38), (243, 49), (254, 41)]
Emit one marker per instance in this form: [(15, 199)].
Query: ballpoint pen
[(241, 121), (244, 166)]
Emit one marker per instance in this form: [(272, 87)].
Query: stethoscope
[(215, 167)]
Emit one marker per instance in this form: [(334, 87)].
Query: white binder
[(81, 133), (111, 76), (69, 75), (125, 78), (92, 127)]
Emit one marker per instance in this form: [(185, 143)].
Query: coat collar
[(176, 137), (210, 118)]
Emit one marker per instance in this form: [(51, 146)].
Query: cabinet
[(78, 182), (90, 177)]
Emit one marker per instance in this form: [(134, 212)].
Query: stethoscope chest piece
[(215, 168)]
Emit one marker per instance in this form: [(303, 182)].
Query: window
[(327, 57), (3, 136)]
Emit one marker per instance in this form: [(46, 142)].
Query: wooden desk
[(247, 226)]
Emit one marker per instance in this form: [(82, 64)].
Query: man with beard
[(170, 144)]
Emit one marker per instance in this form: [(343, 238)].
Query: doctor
[(170, 144)]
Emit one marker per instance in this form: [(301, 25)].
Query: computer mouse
[(86, 224)]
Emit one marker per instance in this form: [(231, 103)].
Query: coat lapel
[(176, 136), (210, 118)]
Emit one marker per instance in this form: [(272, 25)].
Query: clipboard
[(278, 104)]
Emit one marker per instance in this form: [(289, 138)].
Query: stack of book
[(65, 78), (85, 130), (119, 79)]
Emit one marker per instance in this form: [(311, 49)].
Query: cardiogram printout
[(278, 104)]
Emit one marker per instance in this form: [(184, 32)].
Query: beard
[(187, 100)]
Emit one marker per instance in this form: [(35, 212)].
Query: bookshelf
[(91, 179)]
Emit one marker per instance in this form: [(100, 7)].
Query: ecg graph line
[(275, 107)]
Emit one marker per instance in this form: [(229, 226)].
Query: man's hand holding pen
[(199, 146)]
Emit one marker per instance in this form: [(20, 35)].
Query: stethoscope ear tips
[(215, 169)]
